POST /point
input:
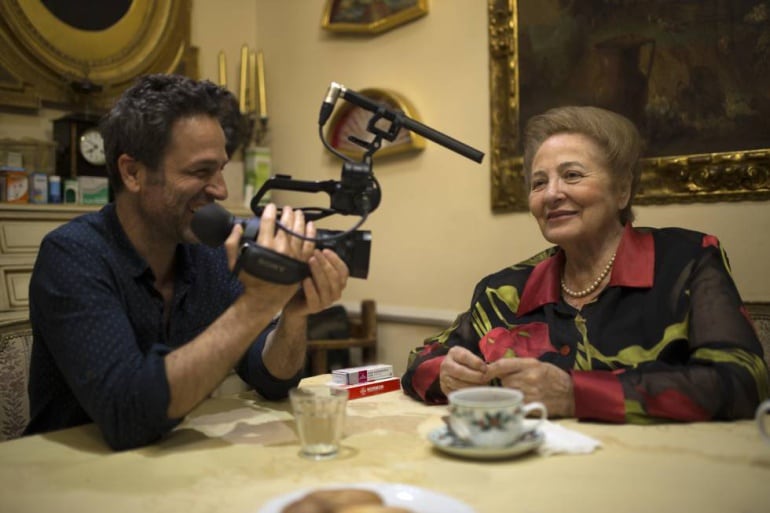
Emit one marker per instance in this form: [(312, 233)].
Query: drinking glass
[(320, 415)]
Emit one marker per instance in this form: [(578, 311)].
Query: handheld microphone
[(212, 225), (411, 124)]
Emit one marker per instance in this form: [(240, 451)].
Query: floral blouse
[(668, 338)]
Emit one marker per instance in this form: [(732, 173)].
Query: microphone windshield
[(212, 224)]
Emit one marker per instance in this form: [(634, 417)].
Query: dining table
[(239, 453)]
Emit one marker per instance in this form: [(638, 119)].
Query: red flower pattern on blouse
[(524, 341)]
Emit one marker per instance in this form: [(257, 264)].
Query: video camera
[(356, 193)]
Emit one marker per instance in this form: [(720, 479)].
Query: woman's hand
[(538, 381), (461, 369)]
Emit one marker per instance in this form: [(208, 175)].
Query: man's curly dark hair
[(140, 122)]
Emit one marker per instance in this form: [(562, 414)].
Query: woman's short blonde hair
[(616, 136)]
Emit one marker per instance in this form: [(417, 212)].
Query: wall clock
[(91, 147), (79, 146), (351, 120)]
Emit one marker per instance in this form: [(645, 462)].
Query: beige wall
[(434, 234)]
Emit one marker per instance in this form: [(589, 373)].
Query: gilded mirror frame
[(45, 55), (351, 120), (702, 177), (381, 23)]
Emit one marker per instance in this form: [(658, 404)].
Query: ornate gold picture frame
[(351, 120), (740, 172), (45, 51), (367, 17)]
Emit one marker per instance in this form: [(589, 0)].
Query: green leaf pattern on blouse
[(628, 357)]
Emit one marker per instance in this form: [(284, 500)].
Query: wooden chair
[(760, 314), (363, 331), (15, 354)]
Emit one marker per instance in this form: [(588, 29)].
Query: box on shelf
[(363, 374), (54, 189), (71, 190), (93, 190), (38, 188), (16, 185), (32, 155), (13, 159), (372, 388)]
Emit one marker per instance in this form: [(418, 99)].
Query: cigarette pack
[(373, 388), (363, 374)]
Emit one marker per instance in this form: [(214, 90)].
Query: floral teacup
[(491, 416)]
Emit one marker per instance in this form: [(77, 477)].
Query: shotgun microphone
[(329, 101), (336, 90)]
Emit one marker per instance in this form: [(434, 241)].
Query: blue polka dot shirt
[(99, 336)]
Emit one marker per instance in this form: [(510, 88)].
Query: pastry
[(372, 508), (332, 500)]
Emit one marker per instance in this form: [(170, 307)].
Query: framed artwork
[(53, 50), (694, 75), (350, 120), (370, 16)]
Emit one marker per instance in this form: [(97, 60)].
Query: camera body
[(353, 248), (212, 224)]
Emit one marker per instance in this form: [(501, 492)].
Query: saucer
[(445, 441)]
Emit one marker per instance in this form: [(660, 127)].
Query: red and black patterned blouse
[(668, 338)]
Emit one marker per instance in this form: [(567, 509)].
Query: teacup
[(491, 416), (764, 426)]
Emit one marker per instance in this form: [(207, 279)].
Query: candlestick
[(222, 69), (244, 69), (252, 82), (261, 80)]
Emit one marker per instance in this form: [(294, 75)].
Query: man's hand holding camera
[(329, 273)]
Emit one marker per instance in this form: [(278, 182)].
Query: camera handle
[(357, 192)]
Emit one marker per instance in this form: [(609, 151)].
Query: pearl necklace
[(593, 286)]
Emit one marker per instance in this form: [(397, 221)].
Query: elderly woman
[(613, 323)]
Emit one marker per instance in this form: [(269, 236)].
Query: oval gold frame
[(406, 140), (45, 55)]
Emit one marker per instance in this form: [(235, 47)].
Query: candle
[(252, 82), (222, 69), (261, 80), (243, 70)]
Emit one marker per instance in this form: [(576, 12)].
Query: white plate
[(419, 500), (443, 440)]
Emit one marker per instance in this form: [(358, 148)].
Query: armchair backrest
[(15, 354)]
